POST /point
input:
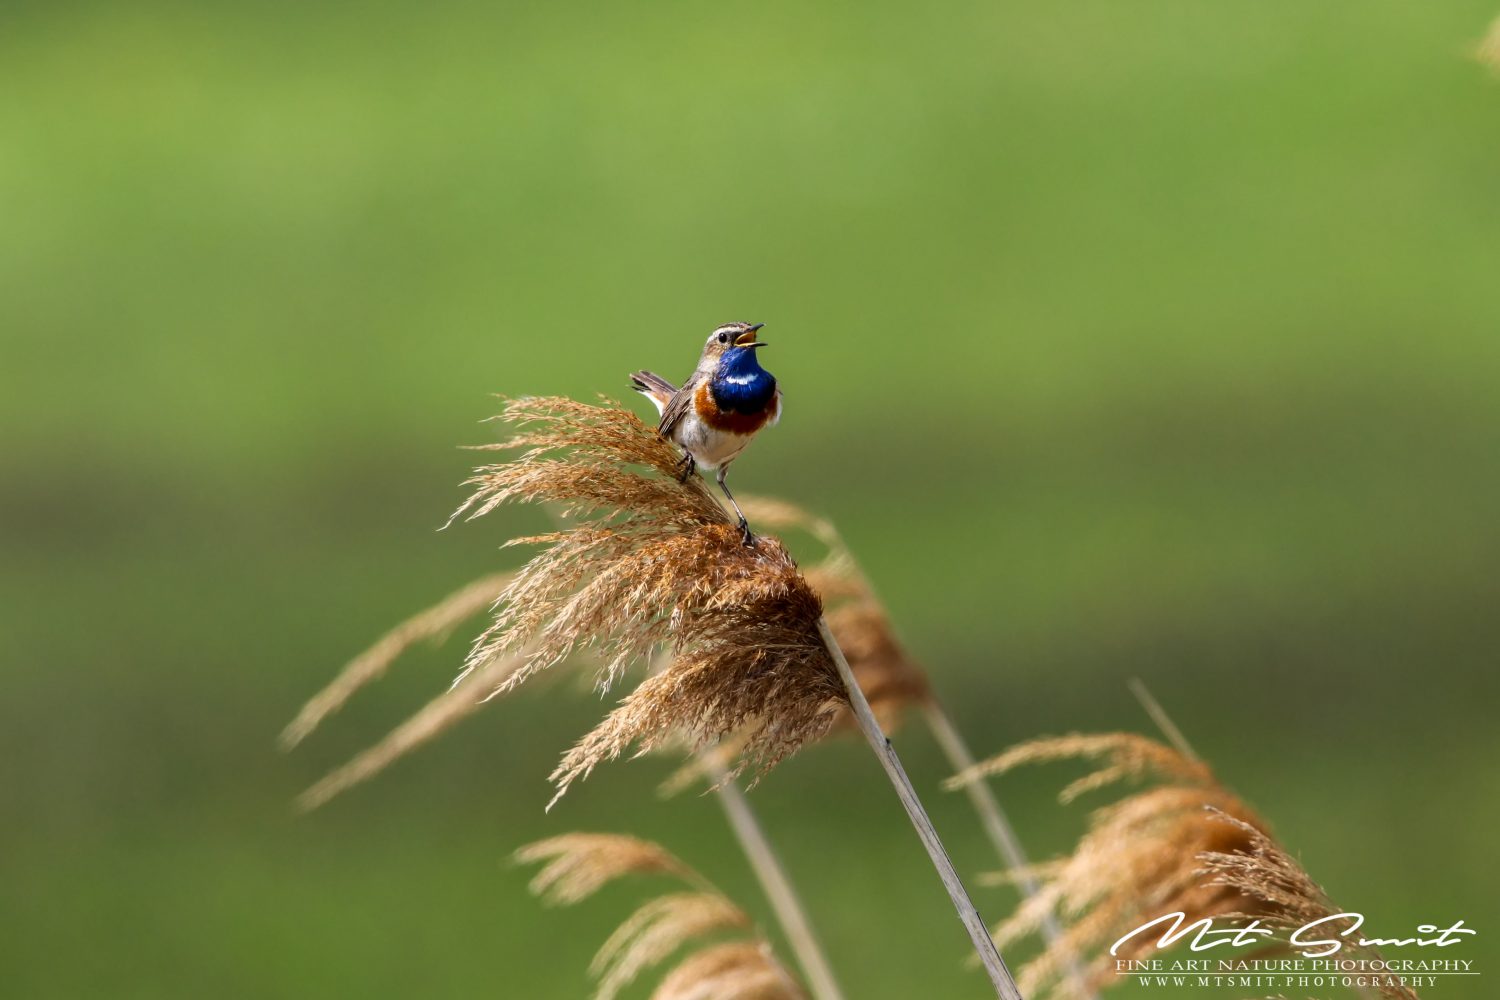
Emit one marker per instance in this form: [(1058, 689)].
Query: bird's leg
[(686, 467), (744, 524)]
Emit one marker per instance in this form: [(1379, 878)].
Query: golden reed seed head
[(1123, 755), (651, 561), (891, 680), (577, 865), (1257, 868), (1281, 892), (1184, 843)]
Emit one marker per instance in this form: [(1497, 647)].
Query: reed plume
[(577, 865), (891, 679), (1283, 895), (1183, 843), (652, 560)]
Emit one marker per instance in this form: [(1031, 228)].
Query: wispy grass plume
[(437, 716), (579, 864), (433, 623), (651, 560), (1183, 842), (734, 971)]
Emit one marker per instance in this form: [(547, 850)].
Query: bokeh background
[(1153, 339)]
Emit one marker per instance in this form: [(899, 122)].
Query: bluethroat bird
[(727, 399)]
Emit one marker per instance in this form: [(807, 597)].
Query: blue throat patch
[(741, 385)]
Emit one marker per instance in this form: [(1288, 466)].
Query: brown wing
[(677, 407)]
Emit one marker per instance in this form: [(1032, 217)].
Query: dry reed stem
[(433, 623), (1003, 837), (577, 865), (1187, 844), (985, 947), (891, 680), (1163, 721)]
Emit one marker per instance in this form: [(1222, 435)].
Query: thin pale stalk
[(1162, 719), (979, 934), (997, 827), (991, 817), (774, 882)]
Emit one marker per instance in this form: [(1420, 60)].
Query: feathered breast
[(735, 415)]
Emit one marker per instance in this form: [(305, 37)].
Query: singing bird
[(727, 399)]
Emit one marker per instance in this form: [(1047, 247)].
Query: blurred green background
[(1155, 339)]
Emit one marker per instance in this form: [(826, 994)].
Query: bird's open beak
[(747, 339)]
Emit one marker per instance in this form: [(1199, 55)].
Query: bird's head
[(730, 341)]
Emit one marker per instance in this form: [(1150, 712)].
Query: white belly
[(709, 447)]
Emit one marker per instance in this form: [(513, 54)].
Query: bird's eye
[(723, 338)]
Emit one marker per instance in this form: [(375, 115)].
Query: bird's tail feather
[(653, 387)]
